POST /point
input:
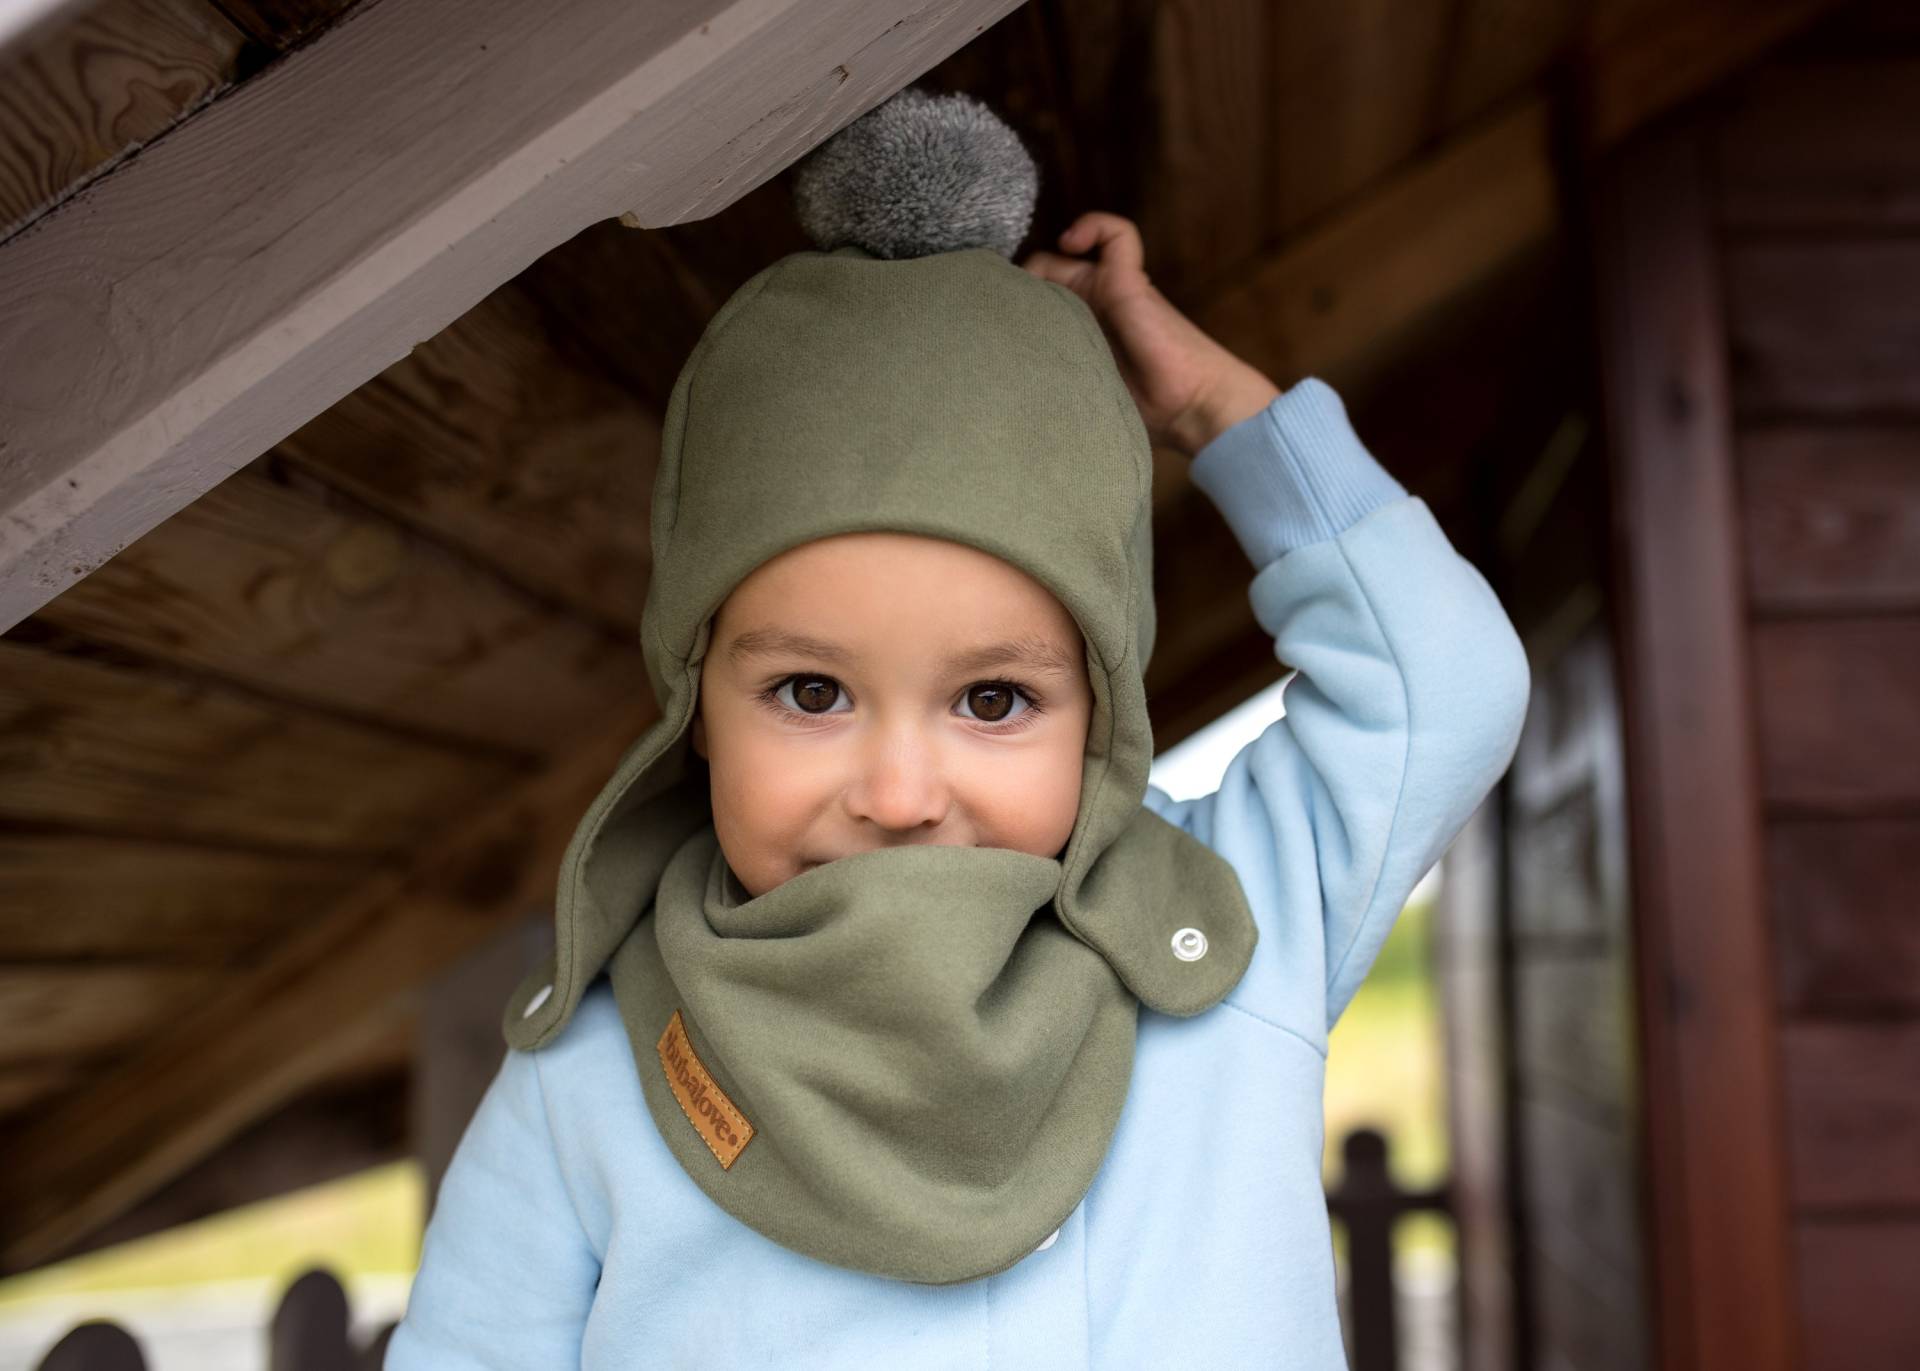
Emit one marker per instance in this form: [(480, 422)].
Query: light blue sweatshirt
[(566, 1234)]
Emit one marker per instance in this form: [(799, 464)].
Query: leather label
[(721, 1127)]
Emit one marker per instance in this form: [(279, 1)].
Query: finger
[(1117, 239), (1049, 266)]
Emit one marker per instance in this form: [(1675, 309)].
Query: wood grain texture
[(253, 1044), (1328, 301), (89, 87), (1718, 1221), (282, 23), (1832, 518), (377, 209), (1843, 912), (487, 437), (1821, 145), (1838, 729), (1825, 327), (111, 751), (330, 607), (1856, 1293), (1854, 1115), (78, 1012), (79, 895), (1583, 1205), (1643, 57), (1355, 92), (1214, 99)]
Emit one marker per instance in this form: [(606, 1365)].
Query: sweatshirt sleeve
[(507, 1273), (1405, 708)]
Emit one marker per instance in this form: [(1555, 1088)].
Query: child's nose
[(899, 786)]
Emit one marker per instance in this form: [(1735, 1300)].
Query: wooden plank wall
[(1817, 157)]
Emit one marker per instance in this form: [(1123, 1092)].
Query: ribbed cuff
[(1293, 474)]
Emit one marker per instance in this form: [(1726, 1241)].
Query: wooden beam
[(1330, 302), (281, 1026), (290, 242), (1718, 1222)]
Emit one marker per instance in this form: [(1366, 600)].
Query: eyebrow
[(1036, 654)]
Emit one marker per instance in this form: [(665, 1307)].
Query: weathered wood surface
[(87, 895), (83, 1013), (223, 311), (1718, 1214), (255, 1043), (1854, 1115), (1825, 327), (93, 81), (1832, 517), (1856, 1292), (304, 596), (1838, 729), (106, 749), (1822, 145), (490, 436), (1843, 910)]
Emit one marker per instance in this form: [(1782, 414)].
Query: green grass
[(367, 1224), (1385, 1071)]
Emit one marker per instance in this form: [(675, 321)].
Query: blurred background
[(334, 348)]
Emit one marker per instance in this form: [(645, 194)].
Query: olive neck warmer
[(899, 1062), (909, 1061)]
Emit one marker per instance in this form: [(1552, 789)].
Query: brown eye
[(814, 694), (990, 703)]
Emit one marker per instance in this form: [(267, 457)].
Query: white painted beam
[(242, 273)]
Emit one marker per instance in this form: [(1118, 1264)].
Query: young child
[(893, 1019)]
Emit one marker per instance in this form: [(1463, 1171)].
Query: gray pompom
[(916, 175)]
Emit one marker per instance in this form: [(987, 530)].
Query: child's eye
[(994, 700), (812, 695)]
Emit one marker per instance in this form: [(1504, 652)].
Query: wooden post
[(1717, 1203)]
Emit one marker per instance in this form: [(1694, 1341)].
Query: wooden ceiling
[(330, 725)]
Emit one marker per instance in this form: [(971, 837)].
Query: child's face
[(879, 732)]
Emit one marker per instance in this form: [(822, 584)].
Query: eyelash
[(1031, 714)]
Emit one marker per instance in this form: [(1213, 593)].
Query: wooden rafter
[(178, 319), (275, 1029)]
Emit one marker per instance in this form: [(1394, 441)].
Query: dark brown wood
[(1843, 912), (107, 749), (1644, 58), (335, 1130), (87, 896), (1822, 145), (1368, 1205), (1854, 1089), (1824, 327), (1837, 724), (82, 1011), (1215, 102), (282, 23), (1722, 1286), (253, 1045), (497, 438), (89, 86), (1856, 1293), (1832, 518), (320, 603)]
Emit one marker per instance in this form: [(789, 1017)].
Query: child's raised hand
[(1187, 386)]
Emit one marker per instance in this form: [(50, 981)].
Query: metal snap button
[(1189, 944), (1052, 1238), (533, 1005)]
